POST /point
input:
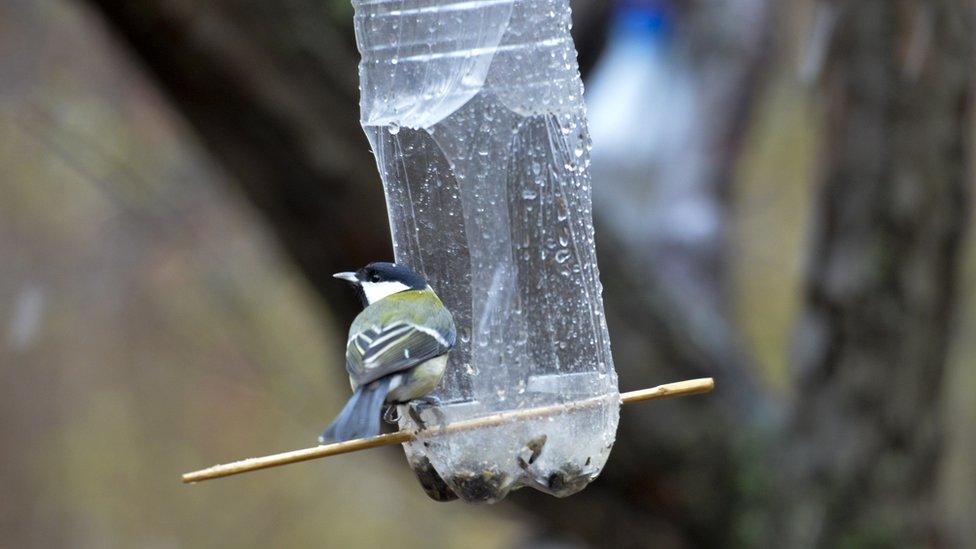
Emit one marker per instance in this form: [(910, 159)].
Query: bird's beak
[(348, 277)]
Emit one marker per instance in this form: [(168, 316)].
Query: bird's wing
[(378, 351)]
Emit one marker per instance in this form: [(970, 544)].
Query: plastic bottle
[(474, 111)]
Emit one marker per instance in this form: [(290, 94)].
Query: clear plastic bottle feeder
[(474, 110)]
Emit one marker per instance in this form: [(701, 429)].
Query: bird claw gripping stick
[(475, 113)]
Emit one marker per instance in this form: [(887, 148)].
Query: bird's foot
[(391, 415), (429, 402)]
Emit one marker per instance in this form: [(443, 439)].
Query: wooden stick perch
[(680, 388)]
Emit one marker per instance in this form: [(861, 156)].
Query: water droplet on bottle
[(562, 256), (394, 128), (529, 194)]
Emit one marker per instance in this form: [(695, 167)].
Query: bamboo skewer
[(680, 388)]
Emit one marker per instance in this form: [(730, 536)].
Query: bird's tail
[(360, 417)]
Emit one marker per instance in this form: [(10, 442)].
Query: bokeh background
[(784, 207)]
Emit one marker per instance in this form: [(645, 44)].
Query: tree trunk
[(866, 433), (273, 93)]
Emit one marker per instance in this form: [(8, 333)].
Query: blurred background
[(782, 191)]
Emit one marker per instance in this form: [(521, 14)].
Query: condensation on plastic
[(474, 111)]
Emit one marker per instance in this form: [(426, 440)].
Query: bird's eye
[(375, 278)]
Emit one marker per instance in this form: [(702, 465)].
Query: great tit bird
[(397, 347)]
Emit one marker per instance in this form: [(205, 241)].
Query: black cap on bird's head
[(381, 271), (380, 279)]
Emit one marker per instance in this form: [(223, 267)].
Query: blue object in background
[(645, 112)]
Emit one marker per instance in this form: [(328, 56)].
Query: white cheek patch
[(376, 291)]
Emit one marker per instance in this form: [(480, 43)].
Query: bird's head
[(380, 279)]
